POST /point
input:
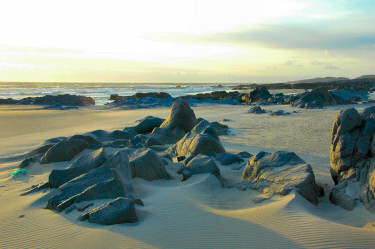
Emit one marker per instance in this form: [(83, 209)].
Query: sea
[(101, 92)]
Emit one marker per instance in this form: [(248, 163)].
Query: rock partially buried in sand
[(280, 173), (353, 158), (256, 110), (146, 164), (205, 127), (195, 144), (81, 165), (228, 158), (181, 116), (120, 210), (147, 124), (64, 151)]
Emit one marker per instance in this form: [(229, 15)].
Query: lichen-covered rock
[(120, 210), (353, 158), (280, 173), (181, 116), (146, 164), (64, 151), (195, 144)]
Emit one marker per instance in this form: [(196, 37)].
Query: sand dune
[(196, 213)]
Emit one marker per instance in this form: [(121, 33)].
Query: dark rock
[(120, 210), (122, 172), (221, 129), (33, 159), (92, 142), (36, 188), (181, 116), (164, 135), (195, 144), (256, 110), (200, 164), (66, 99), (103, 136), (146, 164), (257, 95), (280, 173), (82, 206), (352, 159), (147, 124), (64, 151), (82, 165), (244, 154), (318, 98), (205, 127), (228, 158), (280, 113)]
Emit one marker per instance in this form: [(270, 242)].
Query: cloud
[(326, 65), (284, 36)]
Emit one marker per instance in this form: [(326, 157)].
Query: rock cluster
[(319, 98), (66, 99), (353, 158)]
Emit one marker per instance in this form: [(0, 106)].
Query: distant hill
[(369, 76), (320, 80)]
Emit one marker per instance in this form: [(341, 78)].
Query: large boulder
[(181, 116), (318, 98), (205, 127), (81, 165), (121, 169), (146, 164), (96, 184), (280, 173), (64, 151), (353, 158), (147, 124), (120, 210), (195, 144)]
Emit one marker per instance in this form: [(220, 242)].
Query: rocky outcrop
[(228, 158), (64, 151), (205, 127), (319, 98), (147, 124), (181, 116), (66, 99), (120, 210), (353, 158), (259, 94), (280, 173)]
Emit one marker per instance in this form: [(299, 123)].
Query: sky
[(185, 41)]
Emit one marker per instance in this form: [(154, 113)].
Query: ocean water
[(100, 92)]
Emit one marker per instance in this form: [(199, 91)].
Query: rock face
[(200, 164), (64, 151), (146, 164), (205, 127), (181, 116), (120, 210), (353, 158), (280, 173), (318, 98)]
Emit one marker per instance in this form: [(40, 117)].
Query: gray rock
[(92, 142), (280, 113), (122, 172), (181, 116), (35, 188), (228, 158), (96, 184), (205, 127), (120, 210), (147, 124), (244, 154), (164, 135), (82, 206), (221, 129), (104, 136), (352, 158), (64, 151), (200, 164), (195, 144), (318, 98), (33, 159), (153, 141), (280, 173), (81, 165), (256, 110), (146, 164)]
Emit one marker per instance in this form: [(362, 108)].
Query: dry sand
[(196, 213)]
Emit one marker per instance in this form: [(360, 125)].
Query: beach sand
[(197, 213)]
